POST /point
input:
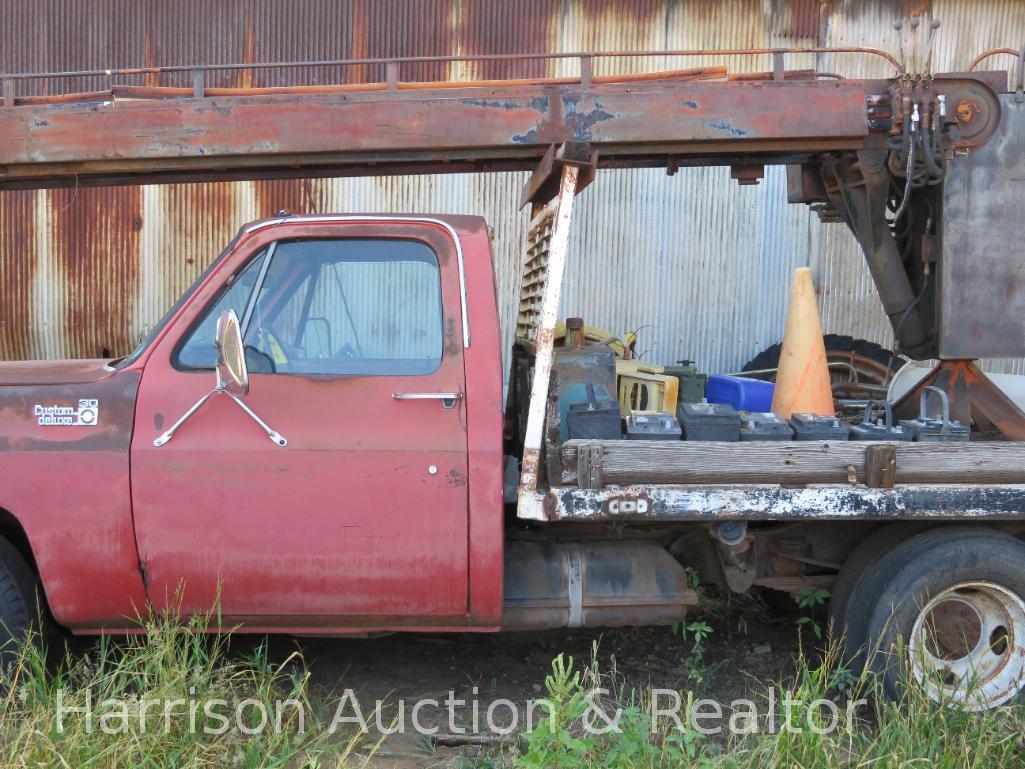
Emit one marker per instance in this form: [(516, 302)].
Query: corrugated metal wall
[(699, 265)]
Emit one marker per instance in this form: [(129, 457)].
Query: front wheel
[(20, 604), (951, 620)]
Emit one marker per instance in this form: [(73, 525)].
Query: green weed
[(153, 700)]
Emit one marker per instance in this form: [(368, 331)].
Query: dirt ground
[(749, 646)]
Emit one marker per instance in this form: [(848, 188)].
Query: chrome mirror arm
[(276, 438), (169, 433)]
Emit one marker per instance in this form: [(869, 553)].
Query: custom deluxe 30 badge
[(86, 414)]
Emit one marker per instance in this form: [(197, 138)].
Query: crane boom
[(146, 134)]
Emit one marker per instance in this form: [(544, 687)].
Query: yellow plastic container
[(643, 391), (632, 365)]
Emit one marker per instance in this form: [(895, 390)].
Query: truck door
[(355, 354)]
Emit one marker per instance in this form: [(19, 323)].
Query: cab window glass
[(348, 307), (198, 350)]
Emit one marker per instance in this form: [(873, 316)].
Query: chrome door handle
[(448, 400)]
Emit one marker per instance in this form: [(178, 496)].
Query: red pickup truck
[(312, 439), (367, 493)]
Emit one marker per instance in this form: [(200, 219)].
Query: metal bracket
[(778, 65), (543, 183), (880, 465), (198, 83), (628, 506), (586, 70)]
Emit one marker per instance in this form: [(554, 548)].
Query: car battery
[(929, 430), (692, 384), (709, 422), (881, 429), (597, 418), (652, 426), (574, 368), (816, 427), (764, 426)]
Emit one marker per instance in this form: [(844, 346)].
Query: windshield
[(155, 331)]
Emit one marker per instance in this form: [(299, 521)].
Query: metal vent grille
[(535, 272)]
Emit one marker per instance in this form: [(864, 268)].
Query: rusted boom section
[(416, 131), (132, 133)]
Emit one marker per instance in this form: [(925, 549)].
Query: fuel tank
[(592, 584)]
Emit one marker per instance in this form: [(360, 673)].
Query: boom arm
[(841, 137)]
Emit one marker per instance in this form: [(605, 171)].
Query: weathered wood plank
[(797, 462)]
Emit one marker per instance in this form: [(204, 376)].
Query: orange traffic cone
[(802, 382)]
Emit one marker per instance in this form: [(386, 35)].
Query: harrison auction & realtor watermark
[(668, 710)]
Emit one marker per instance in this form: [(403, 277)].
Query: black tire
[(851, 589), (835, 343), (22, 607), (873, 579), (923, 567)]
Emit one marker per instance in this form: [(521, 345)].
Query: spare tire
[(873, 363)]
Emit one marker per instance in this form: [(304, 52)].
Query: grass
[(174, 662), (916, 732), (185, 675)]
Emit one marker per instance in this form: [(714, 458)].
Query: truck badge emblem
[(87, 413)]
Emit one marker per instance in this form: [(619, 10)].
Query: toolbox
[(597, 418), (926, 430), (881, 429), (764, 426), (709, 422), (741, 393), (815, 427), (692, 384), (574, 368), (652, 426)]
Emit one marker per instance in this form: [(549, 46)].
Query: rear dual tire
[(942, 610)]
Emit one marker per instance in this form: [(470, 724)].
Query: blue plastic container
[(741, 393)]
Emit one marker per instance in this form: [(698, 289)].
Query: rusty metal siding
[(18, 265), (697, 263), (103, 254)]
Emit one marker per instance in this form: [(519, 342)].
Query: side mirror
[(232, 378), (232, 372)]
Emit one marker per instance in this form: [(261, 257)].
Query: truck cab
[(373, 351)]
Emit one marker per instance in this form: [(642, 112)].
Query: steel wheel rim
[(967, 646)]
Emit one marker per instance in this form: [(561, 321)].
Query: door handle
[(448, 400)]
